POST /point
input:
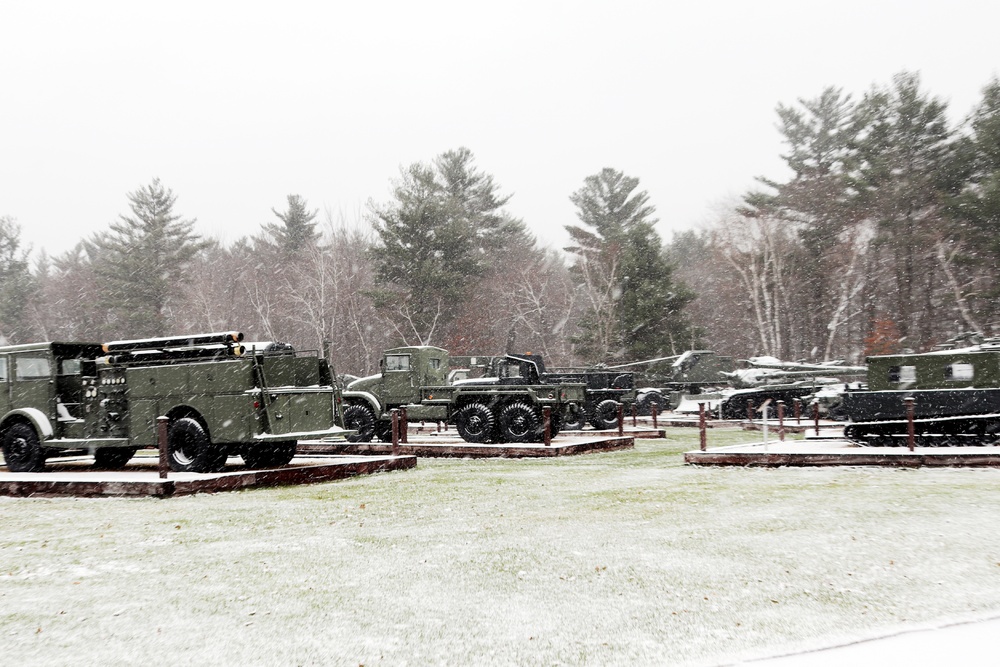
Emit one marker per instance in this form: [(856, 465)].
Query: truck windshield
[(3, 369), (397, 362)]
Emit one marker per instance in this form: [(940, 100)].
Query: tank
[(955, 392)]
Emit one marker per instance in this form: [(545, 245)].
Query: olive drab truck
[(220, 397), (604, 389), (417, 378)]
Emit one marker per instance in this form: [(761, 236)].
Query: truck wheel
[(646, 402), (21, 449), (191, 450), (359, 418), (605, 415), (113, 458), (520, 423), (274, 455), (475, 423), (575, 422)]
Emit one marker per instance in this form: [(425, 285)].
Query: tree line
[(882, 238)]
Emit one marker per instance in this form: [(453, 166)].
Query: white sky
[(236, 105)]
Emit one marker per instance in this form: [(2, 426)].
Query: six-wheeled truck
[(604, 389), (219, 396), (510, 410)]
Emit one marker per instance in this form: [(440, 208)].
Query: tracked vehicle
[(666, 380), (955, 392), (220, 396)]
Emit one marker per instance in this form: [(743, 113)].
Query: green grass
[(614, 558)]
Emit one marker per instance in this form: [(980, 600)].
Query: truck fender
[(37, 418), (363, 397)]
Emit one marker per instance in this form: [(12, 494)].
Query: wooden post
[(816, 416), (439, 427), (547, 425), (394, 414), (635, 412), (404, 425), (701, 426), (652, 409), (797, 406), (163, 445), (781, 420), (910, 430), (621, 420)]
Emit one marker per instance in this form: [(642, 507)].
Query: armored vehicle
[(666, 380), (508, 410), (220, 397), (955, 392)]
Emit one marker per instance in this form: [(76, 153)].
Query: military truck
[(955, 392), (605, 389), (220, 397), (416, 377)]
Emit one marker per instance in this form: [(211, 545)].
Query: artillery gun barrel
[(220, 338)]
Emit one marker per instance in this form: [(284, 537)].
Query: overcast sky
[(236, 105)]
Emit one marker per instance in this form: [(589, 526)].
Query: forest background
[(883, 239)]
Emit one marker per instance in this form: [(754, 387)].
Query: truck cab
[(404, 371), (43, 395)]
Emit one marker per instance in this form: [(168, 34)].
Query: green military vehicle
[(483, 411), (220, 397), (604, 389), (955, 391), (666, 380)]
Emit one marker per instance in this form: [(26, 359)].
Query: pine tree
[(635, 305), (442, 233), (297, 228), (816, 202), (903, 175), (142, 260), (978, 205)]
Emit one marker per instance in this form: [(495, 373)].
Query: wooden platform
[(76, 477), (450, 445), (834, 452)]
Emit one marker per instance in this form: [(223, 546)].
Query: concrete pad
[(76, 476), (840, 452), (451, 445)]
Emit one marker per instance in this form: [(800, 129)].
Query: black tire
[(359, 418), (383, 431), (113, 458), (644, 406), (519, 422), (576, 422), (190, 448), (605, 415), (475, 423), (271, 455), (22, 450)]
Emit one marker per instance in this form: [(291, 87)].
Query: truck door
[(31, 384), (4, 386), (398, 384)]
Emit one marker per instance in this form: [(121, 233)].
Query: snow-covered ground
[(617, 558)]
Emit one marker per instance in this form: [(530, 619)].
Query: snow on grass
[(599, 559)]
